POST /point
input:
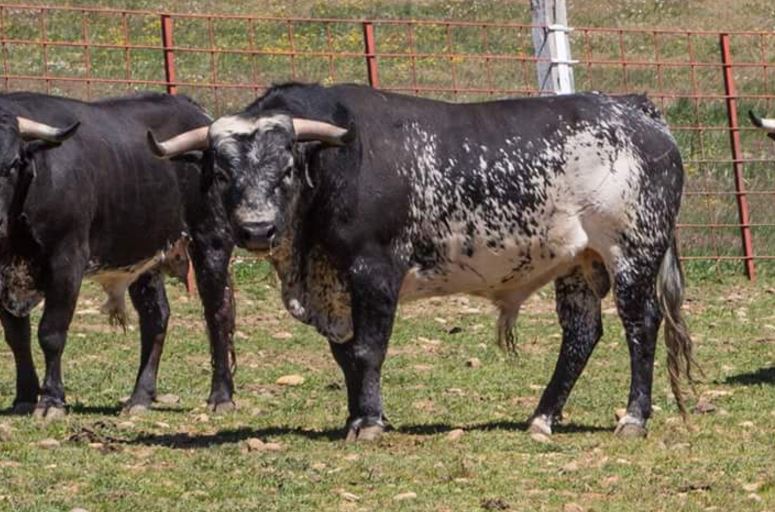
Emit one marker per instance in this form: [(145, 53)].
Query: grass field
[(181, 457)]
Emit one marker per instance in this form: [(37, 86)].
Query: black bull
[(361, 198), (99, 205)]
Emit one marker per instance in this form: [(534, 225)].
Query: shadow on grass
[(188, 441), (96, 410), (760, 376)]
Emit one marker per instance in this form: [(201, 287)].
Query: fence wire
[(705, 82)]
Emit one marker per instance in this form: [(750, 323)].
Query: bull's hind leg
[(17, 334), (374, 289), (636, 301), (150, 301), (578, 309)]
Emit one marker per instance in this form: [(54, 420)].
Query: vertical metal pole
[(370, 49), (169, 54), (169, 77), (737, 155), (552, 47)]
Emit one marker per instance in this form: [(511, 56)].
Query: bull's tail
[(670, 295)]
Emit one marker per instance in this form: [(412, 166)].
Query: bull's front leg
[(374, 286), (17, 334), (65, 272), (210, 254)]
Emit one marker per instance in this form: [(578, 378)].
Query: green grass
[(181, 457)]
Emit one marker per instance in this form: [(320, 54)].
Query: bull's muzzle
[(255, 236)]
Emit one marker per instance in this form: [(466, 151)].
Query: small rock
[(495, 504), (352, 457), (125, 425), (571, 466), (455, 434), (203, 418), (704, 406), (49, 444), (162, 424), (5, 432), (78, 509), (474, 362), (440, 320), (348, 496), (572, 507), (96, 446), (754, 497), (282, 335), (405, 496), (319, 466), (254, 444), (168, 399), (540, 438), (746, 424), (752, 487), (620, 413), (290, 380)]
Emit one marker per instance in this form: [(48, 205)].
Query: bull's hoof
[(23, 408), (49, 412), (222, 407), (360, 430), (131, 409), (540, 425), (631, 428)]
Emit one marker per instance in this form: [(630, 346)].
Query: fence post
[(552, 47), (169, 54), (737, 155), (169, 76), (370, 49)]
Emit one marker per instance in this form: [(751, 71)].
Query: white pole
[(552, 47)]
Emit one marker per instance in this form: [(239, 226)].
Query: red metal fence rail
[(705, 82)]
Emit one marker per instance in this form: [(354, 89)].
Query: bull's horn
[(191, 140), (767, 124), (307, 129), (32, 130)]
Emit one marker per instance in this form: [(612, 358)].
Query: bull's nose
[(255, 236)]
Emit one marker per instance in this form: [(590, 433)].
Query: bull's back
[(106, 181), (503, 195)]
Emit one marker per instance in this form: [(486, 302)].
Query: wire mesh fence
[(704, 82)]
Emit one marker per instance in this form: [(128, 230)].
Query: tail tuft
[(680, 357)]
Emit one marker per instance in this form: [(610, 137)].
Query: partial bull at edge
[(88, 200)]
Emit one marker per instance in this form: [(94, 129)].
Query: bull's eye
[(221, 176)]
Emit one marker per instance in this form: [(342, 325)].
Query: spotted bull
[(90, 201), (362, 198)]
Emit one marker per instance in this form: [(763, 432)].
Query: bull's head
[(19, 138), (256, 164), (767, 125)]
